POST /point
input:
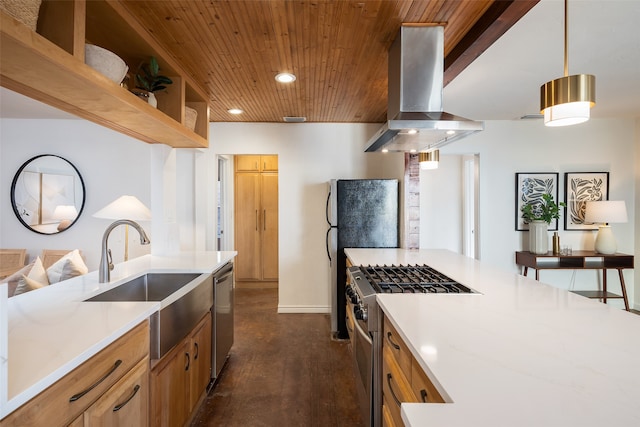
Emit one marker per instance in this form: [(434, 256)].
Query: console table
[(580, 260)]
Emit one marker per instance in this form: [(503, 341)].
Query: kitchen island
[(516, 353), (52, 331)]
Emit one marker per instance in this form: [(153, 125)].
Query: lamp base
[(605, 241)]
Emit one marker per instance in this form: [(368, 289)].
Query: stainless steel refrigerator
[(361, 213)]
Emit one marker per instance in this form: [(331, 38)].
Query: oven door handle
[(362, 332)]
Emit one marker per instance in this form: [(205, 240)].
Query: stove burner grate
[(411, 279)]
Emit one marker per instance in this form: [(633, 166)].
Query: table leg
[(537, 274), (604, 285), (525, 270), (624, 289)]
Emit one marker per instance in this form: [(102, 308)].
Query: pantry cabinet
[(256, 218), (48, 65), (403, 380), (179, 380), (88, 395)]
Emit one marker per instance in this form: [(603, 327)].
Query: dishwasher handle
[(223, 273)]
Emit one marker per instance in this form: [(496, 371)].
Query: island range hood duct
[(415, 120)]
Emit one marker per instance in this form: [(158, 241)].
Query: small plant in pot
[(539, 215), (149, 80)]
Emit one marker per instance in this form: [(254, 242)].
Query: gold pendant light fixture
[(429, 160), (567, 100)]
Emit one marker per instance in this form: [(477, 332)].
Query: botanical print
[(580, 188), (530, 187)]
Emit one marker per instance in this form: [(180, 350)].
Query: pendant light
[(567, 100), (429, 160)]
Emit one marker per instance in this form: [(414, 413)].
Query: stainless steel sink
[(148, 287), (173, 321)]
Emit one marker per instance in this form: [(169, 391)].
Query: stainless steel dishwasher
[(222, 315)]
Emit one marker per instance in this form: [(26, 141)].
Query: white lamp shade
[(65, 212), (568, 114), (606, 211), (125, 207)]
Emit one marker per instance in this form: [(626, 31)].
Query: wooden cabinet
[(80, 396), (403, 380), (256, 163), (180, 378), (49, 66), (201, 360), (124, 404), (256, 218)]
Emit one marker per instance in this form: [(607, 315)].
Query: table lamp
[(66, 214), (605, 212), (125, 207)]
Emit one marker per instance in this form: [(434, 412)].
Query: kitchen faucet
[(106, 261)]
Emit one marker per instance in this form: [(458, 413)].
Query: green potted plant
[(539, 215), (149, 80)]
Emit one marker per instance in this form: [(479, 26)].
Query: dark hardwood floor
[(284, 371)]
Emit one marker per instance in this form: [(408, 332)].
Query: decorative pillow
[(70, 265), (15, 277), (37, 278), (38, 273), (26, 284)]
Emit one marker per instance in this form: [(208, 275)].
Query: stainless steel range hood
[(415, 120)]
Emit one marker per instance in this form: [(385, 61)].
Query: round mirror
[(47, 194)]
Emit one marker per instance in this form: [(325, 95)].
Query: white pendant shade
[(125, 207), (429, 160), (567, 114)]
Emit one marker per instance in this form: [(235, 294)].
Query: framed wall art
[(580, 188), (530, 187)]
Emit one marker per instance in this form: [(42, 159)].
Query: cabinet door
[(247, 163), (269, 163), (169, 388), (124, 404), (248, 214), (269, 226), (201, 360)]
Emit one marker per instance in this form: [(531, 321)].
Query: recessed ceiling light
[(451, 132), (235, 111), (285, 77)]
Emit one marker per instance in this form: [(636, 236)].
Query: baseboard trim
[(304, 309)]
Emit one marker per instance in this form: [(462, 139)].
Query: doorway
[(224, 223)]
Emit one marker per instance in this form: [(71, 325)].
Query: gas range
[(367, 281), (365, 318)]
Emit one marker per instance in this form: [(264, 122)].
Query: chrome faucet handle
[(110, 259)]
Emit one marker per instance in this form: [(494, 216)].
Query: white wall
[(507, 147), (179, 187), (309, 155), (111, 165)]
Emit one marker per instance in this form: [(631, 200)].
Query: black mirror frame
[(13, 188)]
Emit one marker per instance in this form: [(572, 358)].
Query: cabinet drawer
[(387, 418), (422, 386), (397, 347), (61, 403), (396, 388), (126, 403)]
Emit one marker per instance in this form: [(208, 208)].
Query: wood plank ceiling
[(337, 49)]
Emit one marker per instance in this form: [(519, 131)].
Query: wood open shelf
[(49, 66)]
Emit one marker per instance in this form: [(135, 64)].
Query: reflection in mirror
[(47, 194)]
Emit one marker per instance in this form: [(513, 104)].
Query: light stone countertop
[(51, 331), (519, 353)]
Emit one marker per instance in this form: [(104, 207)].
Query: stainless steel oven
[(364, 321)]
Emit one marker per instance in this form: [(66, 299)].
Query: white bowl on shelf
[(105, 62)]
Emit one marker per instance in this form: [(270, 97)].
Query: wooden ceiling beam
[(497, 19)]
